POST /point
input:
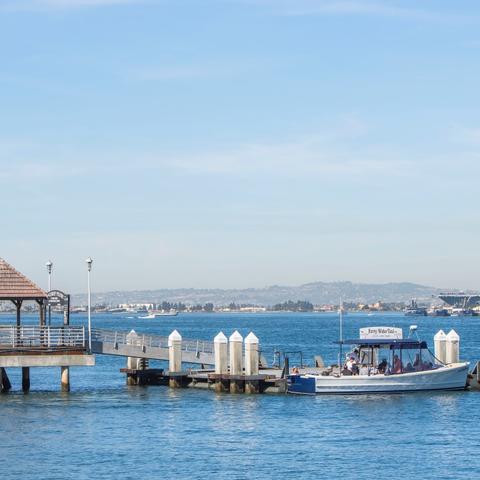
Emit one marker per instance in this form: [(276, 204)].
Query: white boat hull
[(450, 377)]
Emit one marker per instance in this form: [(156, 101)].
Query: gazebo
[(17, 288), (36, 346)]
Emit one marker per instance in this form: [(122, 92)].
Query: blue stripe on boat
[(299, 384)]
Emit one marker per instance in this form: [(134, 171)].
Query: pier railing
[(41, 338), (141, 340)]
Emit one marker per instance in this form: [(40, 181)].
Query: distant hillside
[(317, 293)]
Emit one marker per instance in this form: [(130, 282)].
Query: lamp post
[(49, 266), (89, 262)]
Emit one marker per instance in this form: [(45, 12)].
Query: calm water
[(104, 429)]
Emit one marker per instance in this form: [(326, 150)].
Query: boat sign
[(381, 332)]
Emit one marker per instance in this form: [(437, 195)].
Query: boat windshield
[(389, 358)]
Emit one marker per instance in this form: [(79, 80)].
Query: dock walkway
[(151, 347)]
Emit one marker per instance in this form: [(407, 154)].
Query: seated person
[(409, 368), (382, 366), (397, 364), (417, 364), (354, 356), (352, 365)]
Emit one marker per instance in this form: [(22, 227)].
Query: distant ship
[(413, 310), (463, 312), (438, 312), (155, 314)]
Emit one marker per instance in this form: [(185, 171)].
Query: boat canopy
[(406, 343)]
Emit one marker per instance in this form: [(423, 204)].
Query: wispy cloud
[(178, 72), (383, 8), (465, 135), (339, 152), (29, 5)]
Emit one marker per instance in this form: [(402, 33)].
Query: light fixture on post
[(49, 266), (89, 262)]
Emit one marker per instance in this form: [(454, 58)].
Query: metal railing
[(33, 338), (142, 340)]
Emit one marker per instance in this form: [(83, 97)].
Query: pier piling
[(132, 362), (220, 344), (236, 367), (26, 379), (251, 363), (439, 341), (5, 384), (175, 359), (65, 379), (452, 347)]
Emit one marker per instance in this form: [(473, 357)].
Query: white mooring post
[(453, 347), (220, 345), (174, 358), (252, 385), (251, 354), (132, 362), (236, 364), (440, 343)]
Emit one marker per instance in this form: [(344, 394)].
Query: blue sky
[(236, 143)]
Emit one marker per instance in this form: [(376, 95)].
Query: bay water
[(104, 429)]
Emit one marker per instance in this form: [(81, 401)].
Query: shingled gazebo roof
[(16, 286)]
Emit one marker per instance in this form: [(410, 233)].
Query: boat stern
[(301, 384)]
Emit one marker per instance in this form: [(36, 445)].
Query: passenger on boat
[(382, 366), (352, 366), (417, 364), (409, 368), (397, 364), (355, 356)]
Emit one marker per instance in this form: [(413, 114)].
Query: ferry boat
[(383, 365)]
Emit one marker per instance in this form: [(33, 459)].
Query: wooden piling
[(5, 384), (65, 379), (26, 379)]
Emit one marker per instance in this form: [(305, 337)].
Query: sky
[(240, 143)]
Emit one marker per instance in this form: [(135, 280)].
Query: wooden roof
[(16, 286)]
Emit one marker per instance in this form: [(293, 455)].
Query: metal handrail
[(41, 337), (156, 341)]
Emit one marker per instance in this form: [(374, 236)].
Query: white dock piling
[(440, 343), (220, 345), (452, 347), (132, 338), (251, 363), (174, 358), (236, 367), (251, 354)]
